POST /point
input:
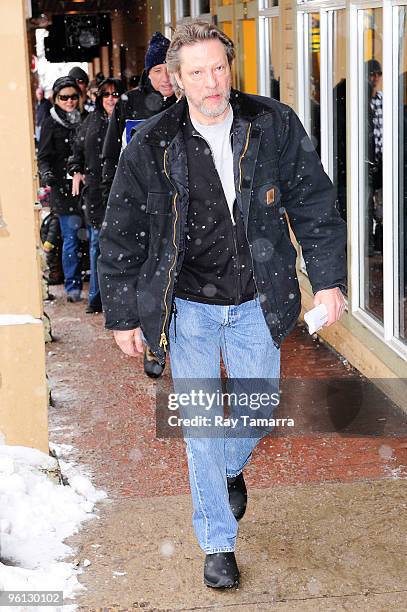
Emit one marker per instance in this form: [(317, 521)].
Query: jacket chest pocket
[(266, 171), (159, 209), (159, 203)]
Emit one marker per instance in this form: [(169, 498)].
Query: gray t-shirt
[(218, 138)]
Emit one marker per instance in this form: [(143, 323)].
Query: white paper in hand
[(316, 318)]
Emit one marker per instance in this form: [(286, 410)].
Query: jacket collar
[(69, 121), (164, 131)]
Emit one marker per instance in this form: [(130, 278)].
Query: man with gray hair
[(197, 260)]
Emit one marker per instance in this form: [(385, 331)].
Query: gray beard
[(219, 111)]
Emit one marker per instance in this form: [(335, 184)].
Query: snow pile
[(36, 515)]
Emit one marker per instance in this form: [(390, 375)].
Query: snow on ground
[(36, 516)]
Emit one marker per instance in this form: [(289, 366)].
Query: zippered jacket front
[(216, 261), (278, 177)]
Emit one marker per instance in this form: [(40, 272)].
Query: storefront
[(329, 60), (351, 97)]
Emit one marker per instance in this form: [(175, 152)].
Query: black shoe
[(93, 309), (221, 570), (237, 495), (152, 367)]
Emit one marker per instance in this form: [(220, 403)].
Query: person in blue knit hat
[(156, 52)]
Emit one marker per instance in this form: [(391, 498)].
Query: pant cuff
[(234, 475), (212, 551)]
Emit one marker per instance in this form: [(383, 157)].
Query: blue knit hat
[(156, 52)]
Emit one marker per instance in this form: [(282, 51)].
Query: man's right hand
[(130, 341)]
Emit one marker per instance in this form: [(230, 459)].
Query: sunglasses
[(375, 73), (107, 94), (65, 98), (80, 81)]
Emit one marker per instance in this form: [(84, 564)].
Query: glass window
[(372, 174), (186, 8), (204, 7), (314, 111), (274, 57), (183, 9), (402, 171), (338, 163)]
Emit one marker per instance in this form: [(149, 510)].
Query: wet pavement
[(326, 522)]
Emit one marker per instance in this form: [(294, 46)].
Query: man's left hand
[(78, 178), (334, 302)]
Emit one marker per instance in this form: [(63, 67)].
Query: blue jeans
[(71, 262), (94, 252), (199, 335)]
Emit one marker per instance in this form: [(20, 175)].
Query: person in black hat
[(153, 95), (82, 80), (80, 76), (55, 146)]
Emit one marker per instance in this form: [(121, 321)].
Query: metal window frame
[(265, 44), (388, 331), (167, 19)]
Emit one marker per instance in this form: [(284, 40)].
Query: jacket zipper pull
[(163, 342)]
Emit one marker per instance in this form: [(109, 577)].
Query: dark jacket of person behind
[(87, 155), (57, 137), (42, 110), (140, 103)]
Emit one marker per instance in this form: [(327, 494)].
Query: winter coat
[(140, 103), (87, 159), (277, 173), (55, 147)]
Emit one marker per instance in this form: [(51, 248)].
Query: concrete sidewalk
[(326, 522)]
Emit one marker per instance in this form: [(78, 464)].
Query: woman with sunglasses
[(57, 137), (85, 165)]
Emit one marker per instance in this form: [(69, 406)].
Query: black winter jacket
[(140, 103), (87, 159), (277, 175), (54, 149)]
